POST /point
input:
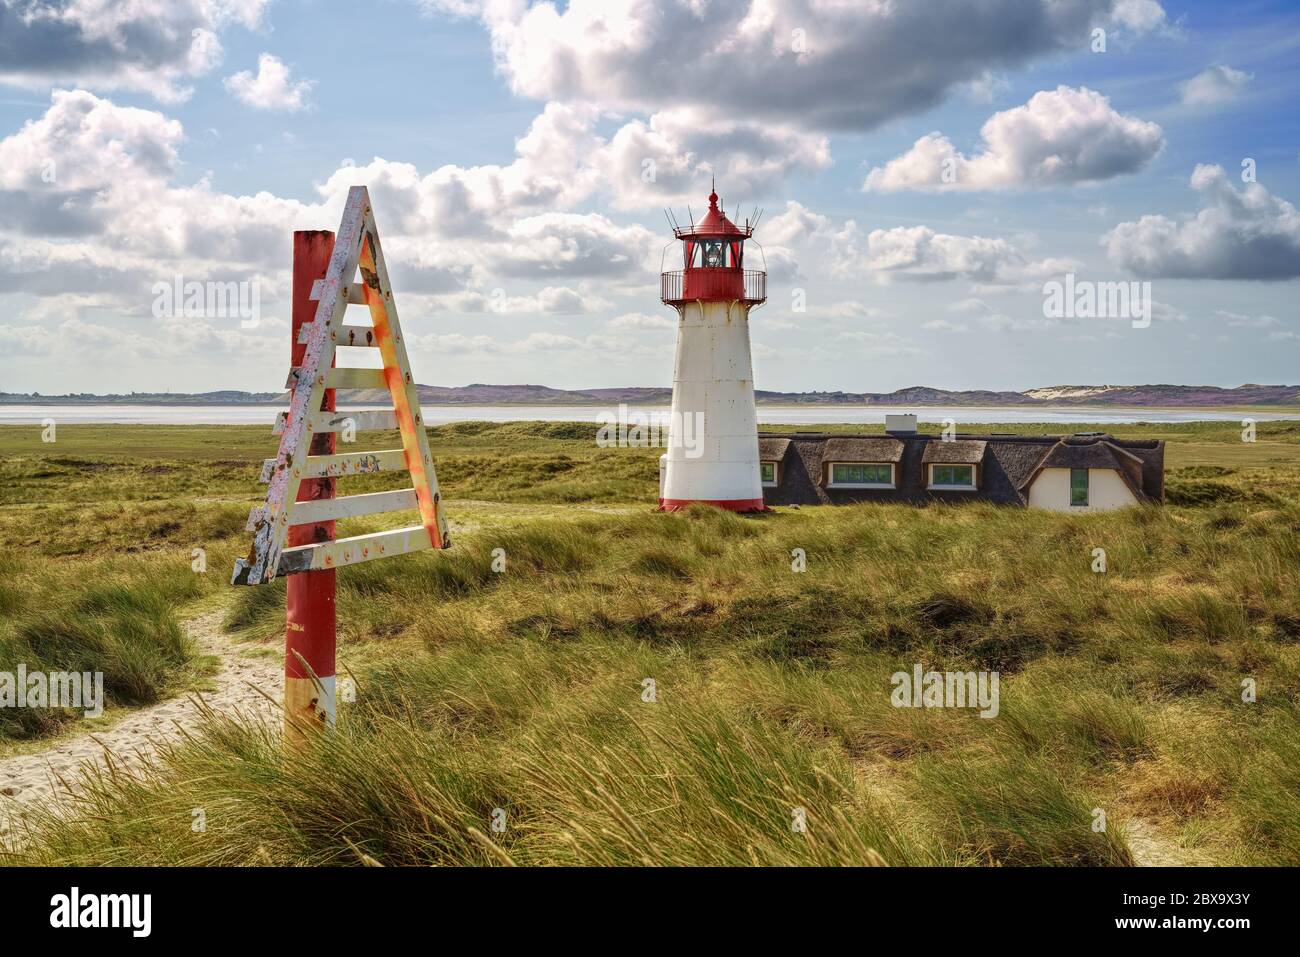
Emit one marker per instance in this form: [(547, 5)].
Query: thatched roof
[(1095, 455), (858, 449), (772, 448), (956, 452), (1007, 463), (1009, 467)]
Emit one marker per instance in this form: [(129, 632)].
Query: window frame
[(1087, 485), (722, 247), (893, 476), (776, 474), (946, 487)]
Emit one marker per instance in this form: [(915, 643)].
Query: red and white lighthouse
[(713, 432)]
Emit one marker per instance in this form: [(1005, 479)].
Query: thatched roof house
[(1085, 472)]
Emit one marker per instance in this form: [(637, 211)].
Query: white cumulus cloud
[(817, 64), (154, 46), (1060, 136), (1214, 85), (1245, 233), (919, 253), (272, 88), (640, 320)]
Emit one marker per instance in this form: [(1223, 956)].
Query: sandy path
[(1151, 848), (29, 778)]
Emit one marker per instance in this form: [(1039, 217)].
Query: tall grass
[(522, 687), (669, 787), (122, 623)]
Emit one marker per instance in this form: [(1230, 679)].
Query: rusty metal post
[(310, 625)]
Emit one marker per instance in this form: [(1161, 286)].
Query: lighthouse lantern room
[(712, 452)]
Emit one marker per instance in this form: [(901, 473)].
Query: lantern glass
[(715, 256)]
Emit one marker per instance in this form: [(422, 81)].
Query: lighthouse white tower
[(713, 432)]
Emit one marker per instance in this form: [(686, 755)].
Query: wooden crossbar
[(354, 336), (354, 550), (352, 506), (348, 334), (353, 463), (356, 292), (341, 465), (356, 379), (363, 420)]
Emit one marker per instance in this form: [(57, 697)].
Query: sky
[(927, 169)]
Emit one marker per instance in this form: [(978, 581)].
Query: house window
[(952, 476), (862, 475), (767, 472), (1079, 487)]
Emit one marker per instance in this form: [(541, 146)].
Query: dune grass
[(520, 696), (111, 616)]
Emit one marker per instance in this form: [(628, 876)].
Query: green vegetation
[(115, 616), (524, 690)]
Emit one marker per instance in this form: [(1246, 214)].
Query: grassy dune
[(524, 690)]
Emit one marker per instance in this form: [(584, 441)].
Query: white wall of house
[(1106, 491)]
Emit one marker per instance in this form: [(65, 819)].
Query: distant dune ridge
[(1141, 396)]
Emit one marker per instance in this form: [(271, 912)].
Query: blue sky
[(504, 144)]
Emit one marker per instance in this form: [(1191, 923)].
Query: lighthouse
[(712, 452)]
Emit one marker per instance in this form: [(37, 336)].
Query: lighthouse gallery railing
[(714, 283)]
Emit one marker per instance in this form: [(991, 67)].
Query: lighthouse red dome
[(714, 223), (713, 257)]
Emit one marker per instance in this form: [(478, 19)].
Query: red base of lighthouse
[(731, 505)]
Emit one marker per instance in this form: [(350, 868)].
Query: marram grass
[(504, 716)]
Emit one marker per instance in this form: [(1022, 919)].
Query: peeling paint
[(356, 248)]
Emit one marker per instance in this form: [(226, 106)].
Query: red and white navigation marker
[(294, 530), (712, 452)]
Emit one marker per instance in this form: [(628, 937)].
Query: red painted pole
[(310, 617)]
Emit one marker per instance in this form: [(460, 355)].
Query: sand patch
[(46, 776)]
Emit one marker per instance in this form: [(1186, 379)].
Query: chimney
[(900, 424)]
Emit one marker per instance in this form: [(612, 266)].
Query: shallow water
[(775, 415)]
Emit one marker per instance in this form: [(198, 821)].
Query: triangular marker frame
[(355, 247)]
